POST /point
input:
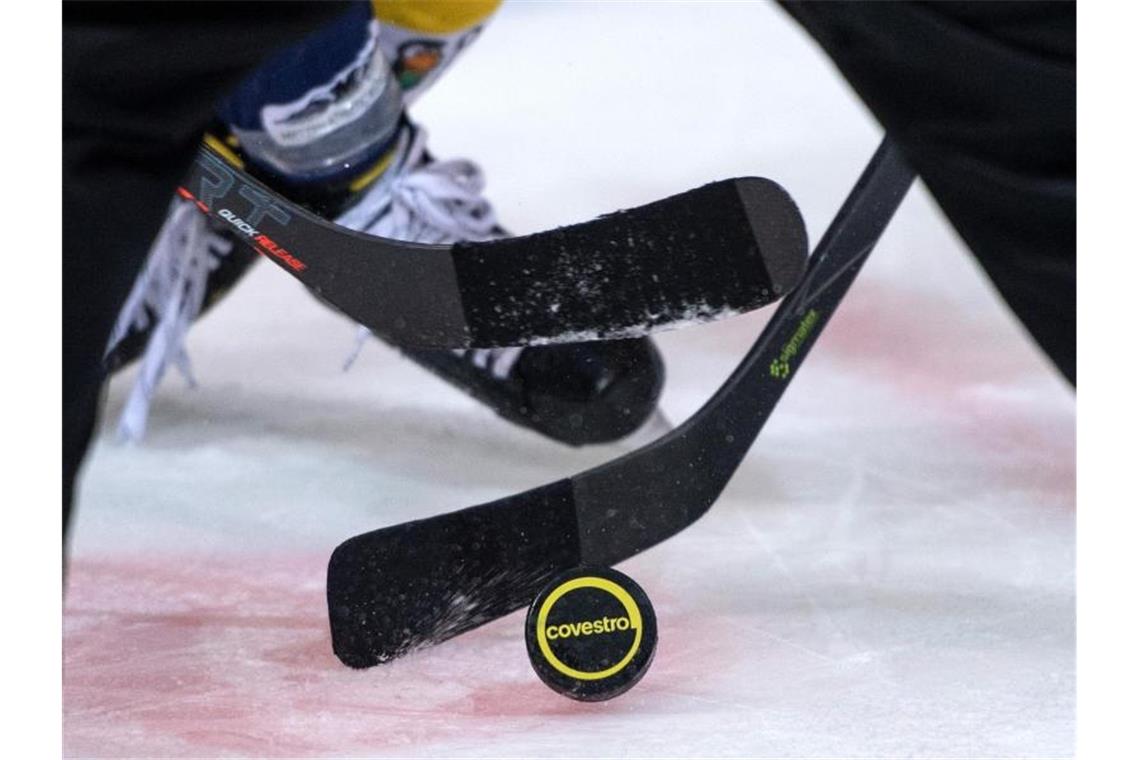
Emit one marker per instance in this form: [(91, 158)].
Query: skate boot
[(577, 394)]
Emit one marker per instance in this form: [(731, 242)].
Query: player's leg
[(422, 39), (982, 99), (139, 83), (323, 122)]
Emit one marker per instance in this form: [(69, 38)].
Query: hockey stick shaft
[(728, 247), (708, 447)]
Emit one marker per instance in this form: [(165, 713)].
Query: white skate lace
[(436, 203), (171, 289)]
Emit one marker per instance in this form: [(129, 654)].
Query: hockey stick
[(419, 583), (722, 249)]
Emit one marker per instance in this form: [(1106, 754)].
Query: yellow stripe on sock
[(434, 16), (366, 179)]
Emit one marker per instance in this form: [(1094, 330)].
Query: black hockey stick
[(725, 248), (419, 583)]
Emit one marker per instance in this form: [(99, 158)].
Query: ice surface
[(889, 574)]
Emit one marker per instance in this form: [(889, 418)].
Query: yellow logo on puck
[(591, 633), (589, 627)]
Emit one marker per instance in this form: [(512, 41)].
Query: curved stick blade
[(397, 589)]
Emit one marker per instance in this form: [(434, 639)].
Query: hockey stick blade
[(722, 249), (400, 588)]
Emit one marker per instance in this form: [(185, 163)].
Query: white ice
[(889, 574)]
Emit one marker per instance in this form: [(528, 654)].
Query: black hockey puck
[(591, 634)]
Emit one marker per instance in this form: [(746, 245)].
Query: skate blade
[(655, 426)]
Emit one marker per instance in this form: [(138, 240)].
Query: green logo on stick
[(781, 366)]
